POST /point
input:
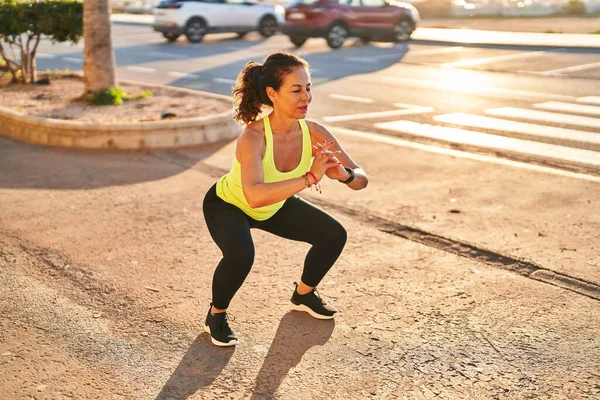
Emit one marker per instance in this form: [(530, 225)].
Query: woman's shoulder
[(317, 130), (252, 135)]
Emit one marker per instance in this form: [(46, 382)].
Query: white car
[(196, 18)]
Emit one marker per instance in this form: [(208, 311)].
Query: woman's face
[(294, 95)]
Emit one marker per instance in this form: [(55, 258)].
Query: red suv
[(335, 20)]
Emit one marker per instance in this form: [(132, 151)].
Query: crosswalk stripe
[(486, 60), (407, 110), (478, 121), (461, 86), (463, 136), (544, 116), (589, 99), (569, 108), (575, 68), (429, 52), (393, 141), (351, 98)]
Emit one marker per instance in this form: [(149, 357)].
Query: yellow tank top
[(229, 186)]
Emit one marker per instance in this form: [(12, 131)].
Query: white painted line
[(352, 98), (167, 55), (569, 108), (141, 69), (575, 68), (465, 87), (487, 60), (461, 154), (478, 121), (589, 99), (495, 142), (442, 50), (45, 55), (361, 59), (183, 75), (544, 116), (226, 81), (72, 59), (380, 114)]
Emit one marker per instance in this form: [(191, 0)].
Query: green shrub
[(115, 96), (575, 7), (22, 24)]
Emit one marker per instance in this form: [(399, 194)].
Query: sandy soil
[(61, 100)]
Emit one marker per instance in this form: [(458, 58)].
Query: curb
[(124, 136)]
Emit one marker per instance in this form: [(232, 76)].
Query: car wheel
[(403, 29), (336, 36), (365, 39), (195, 30), (298, 40), (242, 34), (267, 26), (170, 36)]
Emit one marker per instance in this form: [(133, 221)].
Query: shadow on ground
[(200, 366), (27, 166), (296, 334)]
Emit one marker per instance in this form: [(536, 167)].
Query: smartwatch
[(351, 171)]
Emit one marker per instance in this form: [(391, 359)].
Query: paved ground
[(540, 25), (105, 269)]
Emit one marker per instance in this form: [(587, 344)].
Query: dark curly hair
[(249, 93)]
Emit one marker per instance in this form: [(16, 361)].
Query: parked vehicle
[(336, 20), (196, 18)]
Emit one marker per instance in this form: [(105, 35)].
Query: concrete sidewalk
[(463, 36)]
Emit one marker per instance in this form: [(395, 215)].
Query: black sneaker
[(313, 304), (217, 326)]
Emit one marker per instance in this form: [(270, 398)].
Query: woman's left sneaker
[(313, 304)]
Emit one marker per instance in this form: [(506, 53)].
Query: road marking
[(226, 81), (442, 50), (45, 55), (544, 116), (485, 140), (478, 121), (168, 55), (183, 75), (575, 68), (589, 99), (72, 59), (361, 59), (408, 109), (461, 154), (352, 98), (486, 60), (461, 86), (141, 69), (569, 108)]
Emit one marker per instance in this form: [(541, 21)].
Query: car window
[(350, 3), (373, 3), (236, 1)]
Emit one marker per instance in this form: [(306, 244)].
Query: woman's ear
[(271, 93)]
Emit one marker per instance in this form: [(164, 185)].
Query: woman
[(276, 157)]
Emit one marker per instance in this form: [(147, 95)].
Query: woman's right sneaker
[(313, 304), (217, 326)]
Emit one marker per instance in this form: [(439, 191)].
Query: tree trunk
[(98, 55)]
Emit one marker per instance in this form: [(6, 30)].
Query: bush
[(114, 96), (575, 7), (23, 22)]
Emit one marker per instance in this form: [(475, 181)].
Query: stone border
[(116, 135)]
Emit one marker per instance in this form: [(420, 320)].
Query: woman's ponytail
[(249, 94)]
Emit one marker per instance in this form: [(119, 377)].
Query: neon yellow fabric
[(229, 186)]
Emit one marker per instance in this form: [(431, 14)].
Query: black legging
[(296, 220)]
